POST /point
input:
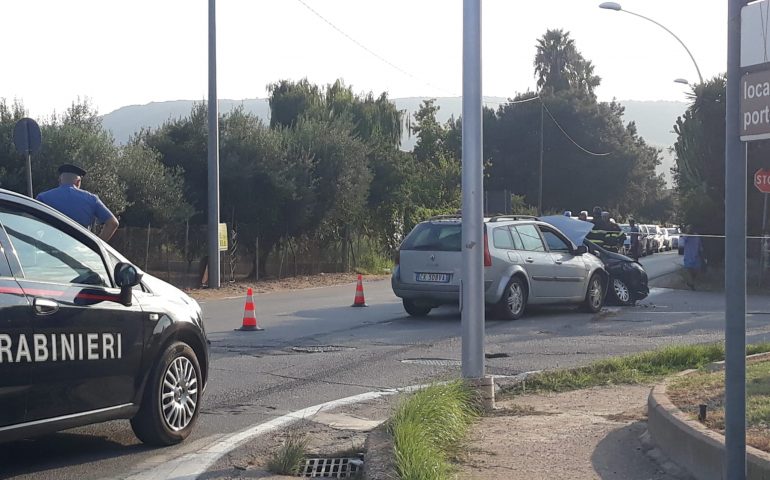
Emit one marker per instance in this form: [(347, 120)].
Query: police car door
[(85, 347), (15, 378)]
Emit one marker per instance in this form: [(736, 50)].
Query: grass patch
[(709, 388), (288, 459), (630, 369), (428, 427)]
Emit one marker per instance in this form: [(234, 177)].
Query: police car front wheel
[(172, 398)]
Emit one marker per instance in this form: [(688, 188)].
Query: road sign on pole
[(762, 180), (28, 140)]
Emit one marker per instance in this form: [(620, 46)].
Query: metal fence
[(177, 253)]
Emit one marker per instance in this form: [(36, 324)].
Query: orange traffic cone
[(359, 300), (249, 317)]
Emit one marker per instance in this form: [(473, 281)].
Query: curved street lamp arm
[(673, 35)]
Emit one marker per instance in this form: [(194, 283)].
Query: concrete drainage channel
[(332, 467)]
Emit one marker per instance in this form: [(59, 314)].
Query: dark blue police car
[(86, 337)]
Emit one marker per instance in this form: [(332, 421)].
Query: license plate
[(433, 277)]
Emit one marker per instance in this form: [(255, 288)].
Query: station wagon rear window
[(439, 237)]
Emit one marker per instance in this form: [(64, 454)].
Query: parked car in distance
[(628, 279), (526, 262), (665, 240), (673, 234), (647, 239)]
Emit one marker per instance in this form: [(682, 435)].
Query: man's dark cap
[(68, 168)]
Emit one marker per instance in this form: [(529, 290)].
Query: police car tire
[(149, 424)]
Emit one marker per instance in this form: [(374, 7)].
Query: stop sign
[(762, 180)]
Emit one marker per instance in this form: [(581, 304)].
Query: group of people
[(606, 232)]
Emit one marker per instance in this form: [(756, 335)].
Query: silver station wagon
[(526, 262)]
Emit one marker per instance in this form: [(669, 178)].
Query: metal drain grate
[(435, 362), (331, 467)]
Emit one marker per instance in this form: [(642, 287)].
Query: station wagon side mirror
[(126, 277), (581, 250)]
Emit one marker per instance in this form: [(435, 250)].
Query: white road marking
[(190, 465), (193, 464)]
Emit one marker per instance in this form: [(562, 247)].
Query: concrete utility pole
[(213, 157), (472, 285), (735, 257)]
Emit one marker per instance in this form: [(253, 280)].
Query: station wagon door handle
[(529, 260), (44, 306), (558, 262)]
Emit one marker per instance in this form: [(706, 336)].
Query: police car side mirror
[(581, 250), (126, 277)]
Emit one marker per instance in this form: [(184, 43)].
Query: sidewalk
[(584, 434), (595, 433)]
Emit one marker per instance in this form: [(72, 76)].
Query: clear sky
[(124, 52)]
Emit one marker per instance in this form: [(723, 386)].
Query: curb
[(379, 455), (692, 445)]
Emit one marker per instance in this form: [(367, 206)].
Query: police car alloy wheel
[(172, 398)]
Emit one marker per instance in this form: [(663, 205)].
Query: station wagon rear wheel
[(514, 301), (416, 309)]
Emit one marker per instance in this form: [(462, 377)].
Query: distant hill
[(654, 120)]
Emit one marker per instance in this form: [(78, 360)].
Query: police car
[(86, 337)]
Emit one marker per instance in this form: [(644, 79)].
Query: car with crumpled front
[(526, 262), (628, 278)]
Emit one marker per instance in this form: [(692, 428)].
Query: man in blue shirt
[(82, 206)]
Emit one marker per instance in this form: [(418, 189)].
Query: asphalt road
[(315, 348)]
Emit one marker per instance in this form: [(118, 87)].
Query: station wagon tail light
[(398, 257), (487, 255)]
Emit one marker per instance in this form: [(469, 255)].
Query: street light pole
[(472, 283), (213, 155), (616, 7)]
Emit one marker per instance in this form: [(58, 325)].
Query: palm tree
[(559, 66)]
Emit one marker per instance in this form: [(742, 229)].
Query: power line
[(553, 119), (414, 77), (369, 50), (567, 135)]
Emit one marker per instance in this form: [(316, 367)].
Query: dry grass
[(274, 285), (689, 391)]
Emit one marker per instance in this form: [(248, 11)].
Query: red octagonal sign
[(762, 180)]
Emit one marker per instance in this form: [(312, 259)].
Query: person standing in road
[(80, 205), (693, 257), (636, 249), (583, 215)]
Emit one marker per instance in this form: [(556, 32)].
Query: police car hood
[(158, 286), (576, 230), (166, 290)]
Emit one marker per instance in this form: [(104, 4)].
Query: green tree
[(590, 157), (560, 66)]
